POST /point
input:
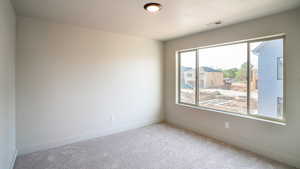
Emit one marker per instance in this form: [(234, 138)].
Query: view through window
[(188, 77), (244, 78)]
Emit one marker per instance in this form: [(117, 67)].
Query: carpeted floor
[(158, 146)]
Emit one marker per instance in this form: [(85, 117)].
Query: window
[(244, 78), (187, 80)]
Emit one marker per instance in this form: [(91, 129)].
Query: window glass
[(223, 78), (187, 77), (279, 68), (279, 107), (267, 68)]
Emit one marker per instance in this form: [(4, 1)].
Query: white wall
[(7, 55), (75, 83), (275, 141)]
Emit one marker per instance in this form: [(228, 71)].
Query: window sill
[(281, 123)]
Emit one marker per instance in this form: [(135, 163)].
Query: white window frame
[(248, 114)]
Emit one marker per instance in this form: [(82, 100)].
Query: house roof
[(257, 50), (204, 68), (209, 69), (184, 69)]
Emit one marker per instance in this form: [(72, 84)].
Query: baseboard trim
[(90, 135), (13, 159)]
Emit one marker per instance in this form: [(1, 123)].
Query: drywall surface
[(7, 113), (75, 83), (278, 142)]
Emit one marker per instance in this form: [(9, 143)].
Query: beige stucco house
[(208, 77)]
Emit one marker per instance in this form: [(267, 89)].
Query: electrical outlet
[(227, 126)]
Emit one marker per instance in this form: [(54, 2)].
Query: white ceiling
[(177, 18)]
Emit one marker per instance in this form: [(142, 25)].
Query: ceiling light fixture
[(218, 22), (152, 7)]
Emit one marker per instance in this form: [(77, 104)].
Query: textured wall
[(75, 83)]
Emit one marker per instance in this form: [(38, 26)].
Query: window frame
[(247, 114)]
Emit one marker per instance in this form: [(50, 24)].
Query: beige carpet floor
[(158, 146)]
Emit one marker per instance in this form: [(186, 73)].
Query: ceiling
[(177, 18)]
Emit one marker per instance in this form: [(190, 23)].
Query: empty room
[(149, 84)]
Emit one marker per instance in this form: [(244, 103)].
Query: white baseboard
[(90, 135), (13, 159)]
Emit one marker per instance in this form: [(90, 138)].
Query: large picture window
[(244, 78)]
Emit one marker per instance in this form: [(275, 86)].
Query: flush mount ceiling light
[(152, 7), (218, 22)]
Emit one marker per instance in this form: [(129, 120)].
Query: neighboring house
[(270, 71), (188, 75), (208, 77), (253, 79)]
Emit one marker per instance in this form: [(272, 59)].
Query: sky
[(221, 57)]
